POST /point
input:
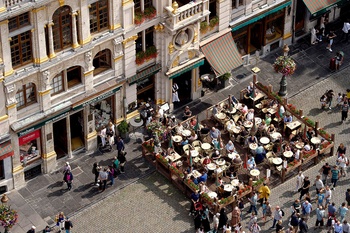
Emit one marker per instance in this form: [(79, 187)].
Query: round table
[(264, 140), (220, 162), (177, 138), (211, 166), (315, 140), (233, 111), (258, 120), (299, 145), (232, 155), (288, 154), (221, 116), (228, 187), (254, 172), (212, 194), (269, 146), (194, 153), (186, 133), (264, 110), (235, 182), (275, 135), (253, 146), (248, 124), (206, 146), (277, 161), (236, 129)]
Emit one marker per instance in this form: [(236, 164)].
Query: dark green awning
[(320, 7), (262, 15), (186, 69), (144, 74)]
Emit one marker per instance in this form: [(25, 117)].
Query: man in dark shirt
[(325, 172), (303, 227), (305, 187), (194, 200)]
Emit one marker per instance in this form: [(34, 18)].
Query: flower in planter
[(284, 65), (214, 21), (150, 12), (138, 18)]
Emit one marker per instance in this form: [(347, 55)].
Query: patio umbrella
[(304, 133), (245, 161)]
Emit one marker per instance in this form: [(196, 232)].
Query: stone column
[(5, 46), (90, 133), (89, 74), (2, 6), (44, 91), (84, 25), (11, 102), (118, 56), (38, 34), (69, 138), (50, 39), (115, 11), (17, 168), (48, 151), (224, 14), (74, 30)]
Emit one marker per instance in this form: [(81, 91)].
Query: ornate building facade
[(68, 68)]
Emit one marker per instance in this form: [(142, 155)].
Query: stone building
[(68, 68)]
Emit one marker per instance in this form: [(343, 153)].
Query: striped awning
[(6, 150), (144, 74), (186, 68), (321, 6), (222, 54)]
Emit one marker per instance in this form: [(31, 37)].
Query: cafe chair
[(187, 149), (196, 143)]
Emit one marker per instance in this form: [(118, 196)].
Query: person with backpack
[(68, 178), (306, 210), (277, 216)]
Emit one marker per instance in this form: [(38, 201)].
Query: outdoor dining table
[(277, 161), (254, 173), (221, 116), (206, 146), (288, 154), (212, 194), (194, 153), (264, 140), (233, 111), (275, 135), (272, 110), (228, 187), (269, 154), (186, 133), (315, 140), (211, 166), (299, 145), (258, 120), (253, 146), (236, 129), (248, 124), (174, 157), (235, 182), (220, 162), (177, 138), (232, 155)]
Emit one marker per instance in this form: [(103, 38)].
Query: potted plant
[(139, 18), (150, 12), (224, 79), (123, 129), (204, 27), (214, 21), (151, 52), (140, 58)]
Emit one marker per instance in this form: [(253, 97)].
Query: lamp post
[(286, 66)]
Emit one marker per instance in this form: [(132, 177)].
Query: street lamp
[(286, 66)]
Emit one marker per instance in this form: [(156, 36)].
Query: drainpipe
[(293, 20)]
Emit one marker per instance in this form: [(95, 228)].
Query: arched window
[(66, 79), (26, 95), (62, 28), (102, 61)]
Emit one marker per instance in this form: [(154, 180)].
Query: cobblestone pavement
[(164, 209), (151, 204)]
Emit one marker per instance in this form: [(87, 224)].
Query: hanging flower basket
[(8, 216), (284, 65)]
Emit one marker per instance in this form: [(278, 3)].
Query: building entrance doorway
[(76, 130), (256, 37), (184, 82), (60, 138)]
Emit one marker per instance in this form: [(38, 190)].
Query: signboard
[(29, 137), (96, 99)]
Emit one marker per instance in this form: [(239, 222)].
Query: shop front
[(6, 152), (29, 142), (262, 32)]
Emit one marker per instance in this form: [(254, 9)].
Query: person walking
[(68, 178), (223, 218), (253, 203), (305, 187), (31, 230), (330, 95), (294, 221), (346, 227), (299, 181), (122, 160), (60, 221), (264, 193), (103, 177), (216, 223), (335, 176), (318, 184), (306, 210), (342, 210), (338, 227), (330, 38), (236, 216), (320, 215), (332, 210), (120, 145), (96, 171), (347, 197), (342, 161), (344, 111), (277, 216), (328, 196), (68, 225), (303, 227), (110, 171), (255, 228), (345, 29), (326, 170)]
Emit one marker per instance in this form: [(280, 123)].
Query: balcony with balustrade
[(186, 14), (13, 3)]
